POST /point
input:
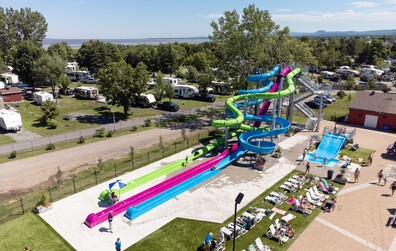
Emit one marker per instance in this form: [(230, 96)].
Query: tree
[(371, 83), (168, 58), (246, 43), (169, 92), (49, 70), (192, 73), (205, 80), (121, 83), (350, 83), (50, 112), (96, 55), (132, 60), (199, 60), (63, 84), (17, 26), (62, 49), (27, 53), (159, 88)]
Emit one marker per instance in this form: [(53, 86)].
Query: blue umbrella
[(118, 184)]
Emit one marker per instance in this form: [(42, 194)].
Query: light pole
[(238, 200), (113, 120)]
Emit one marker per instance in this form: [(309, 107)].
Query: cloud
[(363, 4), (283, 10), (212, 15)]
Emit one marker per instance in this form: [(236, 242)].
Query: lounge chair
[(316, 191), (297, 208), (258, 217), (289, 184), (271, 234), (314, 196), (274, 200), (260, 246), (310, 207), (278, 225), (291, 189), (330, 205), (324, 189), (312, 201), (327, 185), (300, 179), (227, 232), (239, 230)]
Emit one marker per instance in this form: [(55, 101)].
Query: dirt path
[(30, 173)]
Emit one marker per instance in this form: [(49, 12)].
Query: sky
[(123, 19)]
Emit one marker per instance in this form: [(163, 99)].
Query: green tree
[(192, 74), (50, 112), (350, 83), (27, 53), (62, 49), (371, 83), (168, 58), (199, 60), (169, 92), (49, 70), (96, 55), (17, 26), (205, 80), (159, 88), (121, 83), (63, 83)]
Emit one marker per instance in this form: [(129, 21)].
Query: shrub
[(81, 139), (320, 79), (59, 176), (341, 94), (100, 133), (184, 135), (134, 128), (13, 154), (387, 89), (110, 133), (53, 124), (42, 201), (50, 146), (147, 122), (349, 97)]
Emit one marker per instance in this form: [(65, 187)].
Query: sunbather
[(290, 230), (278, 235), (114, 198), (306, 203)]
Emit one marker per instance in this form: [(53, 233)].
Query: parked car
[(66, 91), (325, 99), (205, 97), (88, 80), (315, 104), (168, 106), (333, 99)]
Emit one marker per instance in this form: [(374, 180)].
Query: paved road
[(31, 144)]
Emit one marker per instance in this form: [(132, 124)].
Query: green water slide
[(237, 121), (104, 195)]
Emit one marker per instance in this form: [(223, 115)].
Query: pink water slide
[(95, 219)]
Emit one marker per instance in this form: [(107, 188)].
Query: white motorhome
[(172, 81), (9, 78), (145, 100), (184, 91), (40, 97), (10, 120), (71, 66), (221, 88), (78, 75), (327, 74), (367, 73), (86, 92)]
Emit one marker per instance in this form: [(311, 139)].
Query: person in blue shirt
[(118, 244), (207, 241)]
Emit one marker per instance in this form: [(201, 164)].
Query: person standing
[(310, 144), (221, 238), (393, 188), (303, 157), (118, 245), (380, 175), (335, 128), (356, 174), (324, 162), (307, 168), (110, 220), (207, 241)]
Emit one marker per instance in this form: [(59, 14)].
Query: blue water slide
[(261, 77), (262, 147), (138, 210), (330, 146), (231, 158)]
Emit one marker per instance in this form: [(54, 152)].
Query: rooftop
[(11, 90), (375, 101)]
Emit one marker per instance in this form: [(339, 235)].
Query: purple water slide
[(95, 219), (274, 88)]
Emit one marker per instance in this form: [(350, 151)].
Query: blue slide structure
[(330, 146)]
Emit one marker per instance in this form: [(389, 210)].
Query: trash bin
[(330, 174)]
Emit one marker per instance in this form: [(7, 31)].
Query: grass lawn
[(4, 140), (188, 104), (30, 230), (30, 112), (359, 153), (184, 234)]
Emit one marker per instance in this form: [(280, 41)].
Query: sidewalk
[(42, 141)]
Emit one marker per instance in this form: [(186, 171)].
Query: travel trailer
[(78, 75), (221, 88), (368, 71), (10, 120), (9, 78), (71, 66), (145, 100), (184, 91), (40, 97), (86, 92), (327, 74), (172, 81)]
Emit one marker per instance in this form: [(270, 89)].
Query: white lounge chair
[(293, 181), (227, 232), (314, 196), (316, 191), (300, 198), (312, 201), (291, 189), (271, 234), (274, 200), (297, 207), (260, 246)]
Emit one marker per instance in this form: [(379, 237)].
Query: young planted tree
[(121, 83), (50, 112)]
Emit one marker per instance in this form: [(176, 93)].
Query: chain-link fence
[(13, 208)]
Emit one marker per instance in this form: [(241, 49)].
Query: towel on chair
[(288, 217), (291, 201), (279, 211)]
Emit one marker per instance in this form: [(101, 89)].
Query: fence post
[(49, 191), (162, 152), (175, 146), (187, 142), (96, 177), (74, 185), (115, 170), (32, 145), (148, 156), (23, 211), (198, 137)]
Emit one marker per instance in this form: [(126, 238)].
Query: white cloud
[(363, 4), (283, 10)]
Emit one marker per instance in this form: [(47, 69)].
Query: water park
[(201, 183)]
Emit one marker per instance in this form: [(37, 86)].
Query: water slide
[(330, 146), (104, 195)]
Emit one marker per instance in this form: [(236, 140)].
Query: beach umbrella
[(118, 184)]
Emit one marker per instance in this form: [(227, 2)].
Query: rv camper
[(368, 71), (172, 81), (40, 97), (75, 76), (221, 88), (9, 78), (184, 91), (86, 92), (145, 100), (10, 120)]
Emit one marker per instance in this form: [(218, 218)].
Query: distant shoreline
[(76, 43)]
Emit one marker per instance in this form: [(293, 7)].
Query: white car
[(88, 80)]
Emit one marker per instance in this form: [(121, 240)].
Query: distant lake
[(75, 43)]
